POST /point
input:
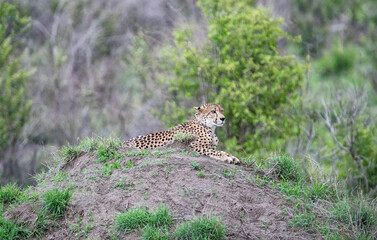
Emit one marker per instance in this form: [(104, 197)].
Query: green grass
[(139, 217), (148, 152), (290, 188), (106, 170), (183, 137), (201, 229), (106, 153), (10, 230), (160, 217), (43, 219), (56, 201), (69, 152), (141, 153), (305, 220), (360, 216), (286, 167), (89, 145), (123, 185), (60, 176), (10, 193), (152, 233), (79, 229), (321, 203), (319, 190), (229, 173)]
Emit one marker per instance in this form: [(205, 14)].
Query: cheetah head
[(210, 115)]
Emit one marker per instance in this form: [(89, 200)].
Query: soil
[(248, 210)]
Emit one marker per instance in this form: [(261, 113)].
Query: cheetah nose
[(222, 119)]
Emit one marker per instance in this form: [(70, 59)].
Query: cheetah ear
[(197, 109)]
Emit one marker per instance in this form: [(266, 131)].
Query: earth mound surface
[(188, 184)]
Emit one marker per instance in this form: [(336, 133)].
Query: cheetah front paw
[(232, 159)]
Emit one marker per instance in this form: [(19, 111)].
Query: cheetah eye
[(214, 111)]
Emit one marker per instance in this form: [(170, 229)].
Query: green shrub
[(14, 101), (241, 68), (56, 201), (311, 20), (338, 60), (201, 229)]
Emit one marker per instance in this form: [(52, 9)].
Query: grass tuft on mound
[(139, 217), (10, 230), (10, 193), (201, 229), (56, 201)]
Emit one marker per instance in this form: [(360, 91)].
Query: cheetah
[(202, 127)]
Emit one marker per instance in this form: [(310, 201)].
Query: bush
[(241, 67), (14, 102)]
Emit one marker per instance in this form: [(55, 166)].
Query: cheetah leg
[(222, 156), (210, 151)]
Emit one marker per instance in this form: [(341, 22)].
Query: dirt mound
[(189, 185)]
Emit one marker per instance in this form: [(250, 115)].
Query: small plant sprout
[(229, 173), (195, 165)]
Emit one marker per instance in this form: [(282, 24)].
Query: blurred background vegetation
[(293, 76)]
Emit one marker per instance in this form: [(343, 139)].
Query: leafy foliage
[(14, 102), (241, 67)]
